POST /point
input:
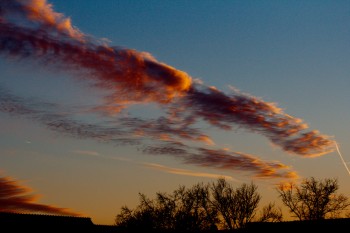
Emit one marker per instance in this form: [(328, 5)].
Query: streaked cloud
[(122, 132), (99, 155), (86, 152), (32, 30), (15, 197), (185, 172), (225, 159)]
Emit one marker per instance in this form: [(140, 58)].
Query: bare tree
[(223, 198), (123, 219), (246, 203), (199, 208), (237, 206), (270, 213), (194, 212), (141, 218), (313, 199), (347, 214), (185, 210)]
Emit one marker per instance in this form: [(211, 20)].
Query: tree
[(237, 206), (141, 218), (347, 214), (185, 210), (195, 209), (246, 203), (223, 198), (313, 199), (270, 213)]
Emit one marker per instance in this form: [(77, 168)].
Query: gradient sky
[(82, 141)]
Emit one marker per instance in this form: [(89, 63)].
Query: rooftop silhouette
[(21, 222)]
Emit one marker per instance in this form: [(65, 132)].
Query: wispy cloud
[(86, 152), (99, 155), (122, 132), (224, 159), (33, 30), (185, 172), (15, 197)]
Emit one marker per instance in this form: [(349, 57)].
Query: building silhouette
[(19, 222)]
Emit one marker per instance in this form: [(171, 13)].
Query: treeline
[(219, 205)]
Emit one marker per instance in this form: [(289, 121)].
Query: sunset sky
[(102, 100)]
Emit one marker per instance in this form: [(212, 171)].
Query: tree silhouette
[(205, 207), (141, 218), (199, 208), (270, 213), (223, 198), (313, 199), (185, 210), (237, 206)]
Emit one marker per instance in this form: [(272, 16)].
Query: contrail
[(341, 157)]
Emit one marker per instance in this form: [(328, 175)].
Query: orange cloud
[(223, 159), (32, 30), (124, 130), (15, 197), (224, 111), (41, 12), (185, 172)]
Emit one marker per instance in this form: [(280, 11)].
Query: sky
[(103, 100)]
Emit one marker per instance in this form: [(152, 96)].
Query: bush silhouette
[(218, 205), (202, 207), (313, 199)]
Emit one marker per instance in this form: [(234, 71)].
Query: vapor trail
[(341, 157)]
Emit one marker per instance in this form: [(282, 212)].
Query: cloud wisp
[(185, 172), (14, 197), (32, 30), (125, 131)]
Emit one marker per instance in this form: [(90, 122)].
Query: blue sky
[(291, 53)]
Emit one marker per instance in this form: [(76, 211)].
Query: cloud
[(31, 30), (122, 132), (224, 111), (223, 159), (15, 197), (132, 76), (185, 172), (96, 154), (41, 15), (86, 152)]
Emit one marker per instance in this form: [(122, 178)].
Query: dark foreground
[(12, 222), (37, 223)]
